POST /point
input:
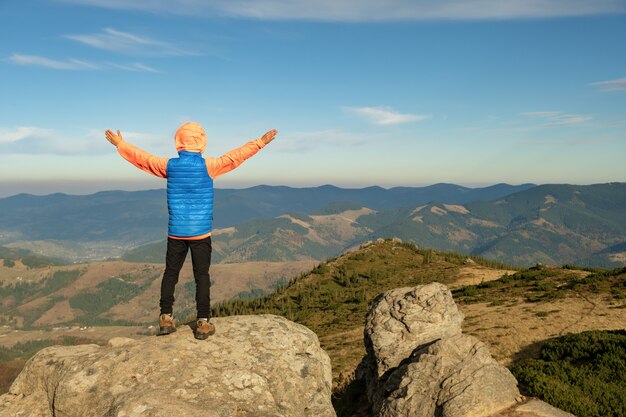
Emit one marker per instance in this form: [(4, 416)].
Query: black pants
[(201, 260)]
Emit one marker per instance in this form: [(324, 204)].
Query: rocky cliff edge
[(262, 366)]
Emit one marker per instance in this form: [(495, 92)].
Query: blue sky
[(362, 92)]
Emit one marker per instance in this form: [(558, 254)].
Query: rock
[(262, 366), (405, 318), (418, 362), (121, 341), (538, 408), (453, 377), (469, 261)]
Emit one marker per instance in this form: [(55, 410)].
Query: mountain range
[(106, 224), (520, 225), (549, 224)]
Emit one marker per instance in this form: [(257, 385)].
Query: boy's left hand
[(113, 138), (269, 136)]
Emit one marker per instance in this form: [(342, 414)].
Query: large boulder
[(418, 362), (452, 377), (403, 319), (262, 366)]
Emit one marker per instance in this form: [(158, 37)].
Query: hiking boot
[(166, 324), (203, 329)]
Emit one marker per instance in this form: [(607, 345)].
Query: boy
[(190, 205)]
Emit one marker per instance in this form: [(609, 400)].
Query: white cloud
[(29, 140), (123, 42), (36, 140), (556, 118), (70, 64), (385, 115), (19, 133), (618, 84), (369, 10), (75, 64), (135, 66)]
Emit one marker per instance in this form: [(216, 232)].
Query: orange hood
[(190, 137)]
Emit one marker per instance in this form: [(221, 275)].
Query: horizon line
[(474, 186)]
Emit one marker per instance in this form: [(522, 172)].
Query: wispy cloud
[(370, 10), (123, 42), (32, 140), (135, 66), (306, 141), (76, 65), (69, 64), (619, 84), (579, 141), (35, 140), (556, 118), (385, 115), (22, 132)]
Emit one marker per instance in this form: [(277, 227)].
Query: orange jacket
[(215, 166), (190, 137)]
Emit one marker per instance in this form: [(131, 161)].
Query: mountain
[(288, 237), (26, 257), (512, 312), (106, 224), (611, 257), (111, 216), (120, 293), (550, 224)]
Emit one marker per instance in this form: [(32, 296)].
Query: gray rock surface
[(453, 377), (404, 318), (418, 362), (262, 366)]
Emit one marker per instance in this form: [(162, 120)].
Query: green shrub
[(583, 373), (321, 269), (469, 291)]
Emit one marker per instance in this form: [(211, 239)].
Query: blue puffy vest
[(189, 195)]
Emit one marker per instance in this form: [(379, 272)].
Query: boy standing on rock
[(190, 205)]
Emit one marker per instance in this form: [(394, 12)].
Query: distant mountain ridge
[(129, 219), (551, 224), (523, 225)]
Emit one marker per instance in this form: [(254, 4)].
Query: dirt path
[(476, 274)]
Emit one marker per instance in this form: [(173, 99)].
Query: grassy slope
[(120, 293), (333, 299)]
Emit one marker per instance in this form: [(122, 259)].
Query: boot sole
[(202, 336), (164, 331)]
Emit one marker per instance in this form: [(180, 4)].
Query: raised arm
[(232, 159), (141, 159)]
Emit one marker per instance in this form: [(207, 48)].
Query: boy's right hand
[(113, 138), (269, 136)]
